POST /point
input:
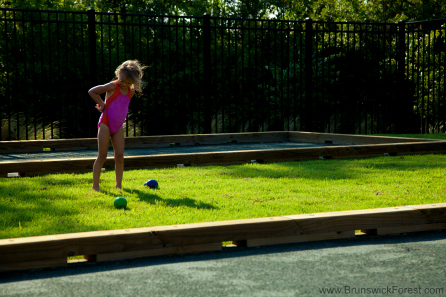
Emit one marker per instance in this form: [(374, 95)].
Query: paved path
[(401, 265)]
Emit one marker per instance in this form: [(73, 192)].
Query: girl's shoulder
[(113, 84), (110, 86)]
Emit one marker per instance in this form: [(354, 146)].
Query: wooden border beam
[(40, 167), (53, 250), (349, 139), (29, 146)]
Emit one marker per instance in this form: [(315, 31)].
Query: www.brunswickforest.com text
[(385, 290)]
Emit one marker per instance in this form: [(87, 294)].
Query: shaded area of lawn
[(64, 203)]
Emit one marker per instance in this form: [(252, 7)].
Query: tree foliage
[(258, 76), (322, 10)]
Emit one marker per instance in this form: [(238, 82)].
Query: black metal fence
[(213, 75), (425, 69)]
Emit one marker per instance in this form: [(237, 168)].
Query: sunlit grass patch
[(64, 203)]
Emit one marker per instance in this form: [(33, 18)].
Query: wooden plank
[(193, 139), (37, 167), (204, 139), (435, 212), (300, 238), (4, 267), (427, 207), (304, 225), (47, 166), (282, 155), (370, 219), (356, 151), (211, 247), (203, 233), (348, 139), (104, 242), (28, 146), (139, 241), (405, 229), (76, 244)]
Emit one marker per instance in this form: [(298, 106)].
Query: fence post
[(308, 106), (92, 46), (402, 118), (92, 65), (207, 72), (401, 56)]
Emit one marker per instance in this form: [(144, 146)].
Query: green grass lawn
[(64, 203)]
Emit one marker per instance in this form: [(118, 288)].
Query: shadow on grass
[(332, 169), (152, 198), (22, 203), (44, 205)]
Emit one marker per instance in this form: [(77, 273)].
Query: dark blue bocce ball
[(153, 184)]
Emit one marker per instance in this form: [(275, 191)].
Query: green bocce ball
[(120, 202)]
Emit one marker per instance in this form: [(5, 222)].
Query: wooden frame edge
[(53, 250)]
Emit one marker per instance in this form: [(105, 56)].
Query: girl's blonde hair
[(133, 70)]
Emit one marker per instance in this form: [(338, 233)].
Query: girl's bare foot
[(118, 187), (96, 189)]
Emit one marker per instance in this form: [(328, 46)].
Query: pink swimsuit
[(116, 109)]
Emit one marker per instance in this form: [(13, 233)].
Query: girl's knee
[(119, 158), (101, 158)]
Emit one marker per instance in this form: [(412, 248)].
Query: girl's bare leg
[(118, 146), (103, 143)]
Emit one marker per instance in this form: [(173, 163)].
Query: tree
[(322, 10), (377, 10)]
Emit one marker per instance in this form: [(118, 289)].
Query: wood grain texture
[(4, 267), (370, 219), (300, 238), (205, 139), (28, 146), (405, 229), (213, 232), (349, 139), (159, 252), (39, 167), (36, 251), (76, 244)]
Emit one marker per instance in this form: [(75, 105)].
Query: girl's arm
[(96, 91)]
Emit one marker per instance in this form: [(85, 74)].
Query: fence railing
[(213, 75), (425, 69)]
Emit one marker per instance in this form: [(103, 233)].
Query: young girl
[(114, 112)]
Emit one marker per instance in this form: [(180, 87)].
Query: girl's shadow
[(152, 198)]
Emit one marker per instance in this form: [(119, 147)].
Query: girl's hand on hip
[(100, 108)]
